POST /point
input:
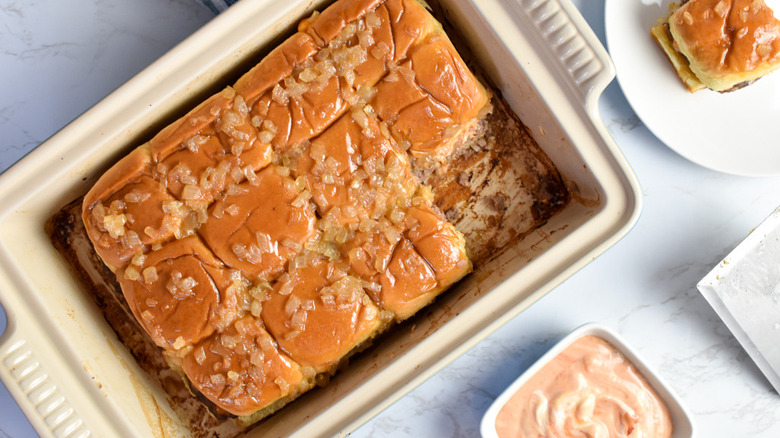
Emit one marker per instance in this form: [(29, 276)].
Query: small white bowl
[(681, 419)]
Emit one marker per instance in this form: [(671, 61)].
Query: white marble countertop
[(60, 57)]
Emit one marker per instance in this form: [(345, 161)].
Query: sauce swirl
[(588, 390)]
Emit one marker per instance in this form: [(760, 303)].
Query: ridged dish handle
[(31, 383), (580, 56)]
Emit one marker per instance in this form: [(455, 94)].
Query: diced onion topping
[(195, 142), (218, 379), (292, 305), (137, 196), (181, 287), (131, 273), (115, 225), (150, 275), (200, 355)]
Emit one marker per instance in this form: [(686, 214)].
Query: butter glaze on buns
[(278, 227), (721, 44)]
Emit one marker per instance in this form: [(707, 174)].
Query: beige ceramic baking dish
[(64, 365)]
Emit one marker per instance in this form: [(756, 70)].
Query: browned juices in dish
[(588, 390)]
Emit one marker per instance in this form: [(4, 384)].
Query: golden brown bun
[(123, 212), (184, 167), (325, 26), (727, 42), (391, 28), (439, 243), (170, 138), (276, 66), (259, 227), (318, 314), (430, 100), (355, 172), (361, 54), (298, 118), (222, 126), (410, 262), (179, 293), (242, 371)]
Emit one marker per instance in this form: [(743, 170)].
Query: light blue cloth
[(217, 6)]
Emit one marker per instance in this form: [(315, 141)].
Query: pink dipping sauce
[(588, 390)]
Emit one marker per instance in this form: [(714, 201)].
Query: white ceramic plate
[(681, 419), (737, 133)]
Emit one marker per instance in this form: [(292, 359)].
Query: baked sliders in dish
[(279, 226), (723, 45)]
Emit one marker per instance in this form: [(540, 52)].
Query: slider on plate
[(723, 45)]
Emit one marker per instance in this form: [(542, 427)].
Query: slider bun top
[(727, 42)]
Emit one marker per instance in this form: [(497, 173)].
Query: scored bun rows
[(278, 226), (723, 45)]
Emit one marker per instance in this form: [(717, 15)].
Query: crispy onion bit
[(369, 313), (115, 225), (373, 21), (131, 273), (137, 196), (298, 320), (150, 275), (200, 355), (292, 305), (257, 358), (181, 287), (241, 107), (131, 240), (218, 379), (251, 253), (195, 142)]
